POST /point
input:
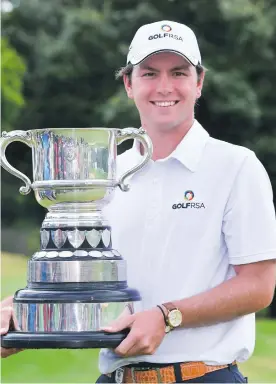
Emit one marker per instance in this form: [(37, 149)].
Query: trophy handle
[(5, 140), (140, 135)]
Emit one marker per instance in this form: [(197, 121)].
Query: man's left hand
[(147, 330)]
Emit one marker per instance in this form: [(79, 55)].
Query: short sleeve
[(249, 224)]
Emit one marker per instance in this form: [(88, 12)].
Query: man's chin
[(164, 126)]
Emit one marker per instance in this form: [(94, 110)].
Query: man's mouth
[(165, 103)]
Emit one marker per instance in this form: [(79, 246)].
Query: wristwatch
[(173, 316)]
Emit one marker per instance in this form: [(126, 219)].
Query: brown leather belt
[(166, 374)]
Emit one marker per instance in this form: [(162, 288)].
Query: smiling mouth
[(165, 103)]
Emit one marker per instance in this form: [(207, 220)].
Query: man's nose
[(165, 85)]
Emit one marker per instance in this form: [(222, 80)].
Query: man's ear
[(200, 84), (128, 87)]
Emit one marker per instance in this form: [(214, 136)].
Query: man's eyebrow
[(181, 67), (184, 66), (146, 67)]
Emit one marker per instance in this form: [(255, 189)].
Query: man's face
[(164, 88)]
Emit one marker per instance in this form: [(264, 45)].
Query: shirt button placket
[(154, 203)]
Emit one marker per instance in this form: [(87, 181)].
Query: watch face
[(175, 318)]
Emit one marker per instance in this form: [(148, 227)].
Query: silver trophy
[(77, 283)]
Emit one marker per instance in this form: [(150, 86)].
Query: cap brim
[(140, 60)]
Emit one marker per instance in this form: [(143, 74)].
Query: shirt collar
[(189, 150)]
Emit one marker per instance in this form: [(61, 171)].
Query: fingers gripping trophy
[(76, 283)]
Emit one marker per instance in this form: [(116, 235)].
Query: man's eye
[(149, 74), (179, 74)]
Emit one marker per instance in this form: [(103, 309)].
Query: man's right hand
[(7, 317)]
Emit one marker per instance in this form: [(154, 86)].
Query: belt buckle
[(119, 375)]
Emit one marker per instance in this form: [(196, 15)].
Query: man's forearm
[(238, 296)]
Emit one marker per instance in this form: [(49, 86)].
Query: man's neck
[(164, 143)]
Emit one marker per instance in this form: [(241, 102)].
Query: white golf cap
[(164, 36)]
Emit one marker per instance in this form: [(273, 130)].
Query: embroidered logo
[(189, 196), (166, 28)]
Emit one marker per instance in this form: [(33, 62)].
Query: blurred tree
[(12, 72), (12, 101)]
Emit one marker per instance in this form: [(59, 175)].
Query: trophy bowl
[(76, 282)]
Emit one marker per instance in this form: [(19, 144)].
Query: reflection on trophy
[(77, 283)]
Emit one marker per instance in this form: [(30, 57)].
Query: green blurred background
[(58, 63)]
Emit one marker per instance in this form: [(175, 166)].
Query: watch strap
[(169, 306)]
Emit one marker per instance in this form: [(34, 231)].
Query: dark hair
[(128, 69)]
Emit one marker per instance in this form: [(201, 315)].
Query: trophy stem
[(76, 216)]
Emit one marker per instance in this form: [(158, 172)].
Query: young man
[(197, 229)]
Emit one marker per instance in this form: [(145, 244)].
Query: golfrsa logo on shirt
[(189, 196)]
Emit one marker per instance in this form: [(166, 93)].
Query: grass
[(81, 366)]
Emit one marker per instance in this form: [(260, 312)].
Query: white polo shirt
[(185, 222)]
